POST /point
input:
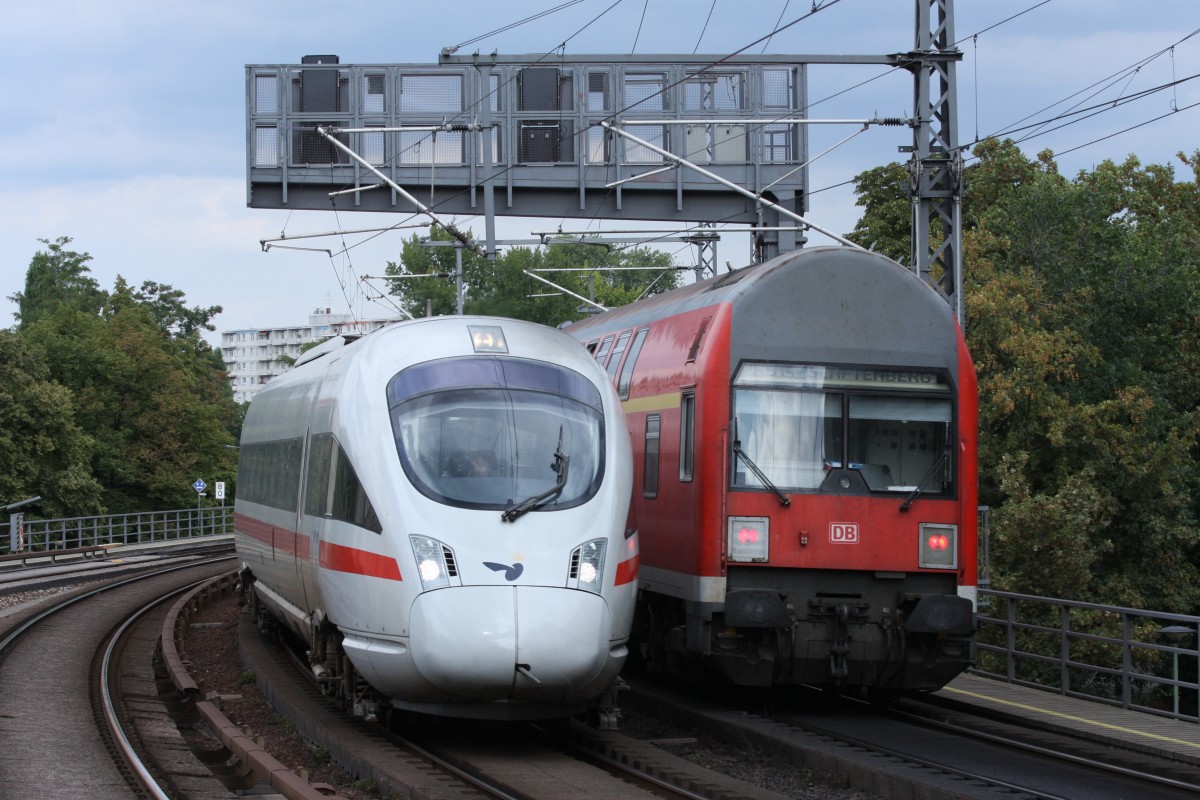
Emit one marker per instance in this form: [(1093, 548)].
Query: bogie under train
[(440, 511), (805, 473)]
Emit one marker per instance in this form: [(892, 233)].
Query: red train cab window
[(886, 430)]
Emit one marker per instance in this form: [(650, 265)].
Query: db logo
[(843, 532)]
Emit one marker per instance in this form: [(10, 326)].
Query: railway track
[(1140, 771), (57, 663), (46, 687), (470, 759), (922, 749)]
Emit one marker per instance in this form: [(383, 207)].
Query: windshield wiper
[(561, 462), (740, 453), (915, 493)]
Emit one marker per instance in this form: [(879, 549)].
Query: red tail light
[(939, 546)]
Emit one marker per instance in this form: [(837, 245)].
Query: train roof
[(843, 304), (361, 368), (788, 269)]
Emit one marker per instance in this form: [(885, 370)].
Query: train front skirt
[(501, 652)]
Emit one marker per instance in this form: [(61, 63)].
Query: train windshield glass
[(799, 423), (483, 432)]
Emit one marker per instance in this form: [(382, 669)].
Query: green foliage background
[(111, 401), (501, 287), (1082, 298)]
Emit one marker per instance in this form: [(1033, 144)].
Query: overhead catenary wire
[(641, 22), (1016, 127), (707, 19), (517, 24), (1089, 112), (782, 11), (1172, 112), (1101, 83)]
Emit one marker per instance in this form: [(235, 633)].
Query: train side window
[(635, 349), (591, 346), (272, 473), (614, 360), (650, 478), (687, 435), (316, 483), (350, 501), (604, 348)]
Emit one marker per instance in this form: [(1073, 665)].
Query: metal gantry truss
[(936, 167), (682, 139)]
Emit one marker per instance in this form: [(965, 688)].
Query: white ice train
[(440, 510)]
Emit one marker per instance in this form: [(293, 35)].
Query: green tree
[(607, 275), (171, 314), (501, 286), (436, 292), (886, 227), (1081, 299), (46, 453), (150, 391), (56, 276)]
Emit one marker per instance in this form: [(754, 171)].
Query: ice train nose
[(520, 642)]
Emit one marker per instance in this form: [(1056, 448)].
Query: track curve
[(46, 684)]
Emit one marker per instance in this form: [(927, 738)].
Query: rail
[(44, 535), (1120, 656)]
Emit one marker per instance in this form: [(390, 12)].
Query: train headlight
[(939, 546), (431, 558), (748, 538), (587, 566)]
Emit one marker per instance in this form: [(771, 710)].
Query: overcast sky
[(125, 122)]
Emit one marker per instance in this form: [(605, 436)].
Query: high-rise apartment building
[(252, 355)]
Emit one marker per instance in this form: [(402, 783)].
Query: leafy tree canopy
[(1082, 297), (46, 452), (56, 277), (140, 379), (501, 287)]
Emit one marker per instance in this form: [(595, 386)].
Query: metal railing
[(31, 535), (1120, 656)]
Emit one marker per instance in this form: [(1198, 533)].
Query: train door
[(318, 466)]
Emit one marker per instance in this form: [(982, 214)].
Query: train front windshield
[(798, 422), (490, 432)]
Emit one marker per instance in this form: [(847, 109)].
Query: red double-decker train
[(804, 440)]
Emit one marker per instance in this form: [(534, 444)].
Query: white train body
[(447, 499)]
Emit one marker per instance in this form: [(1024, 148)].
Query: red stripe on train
[(627, 571), (254, 528), (285, 541), (360, 562)]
